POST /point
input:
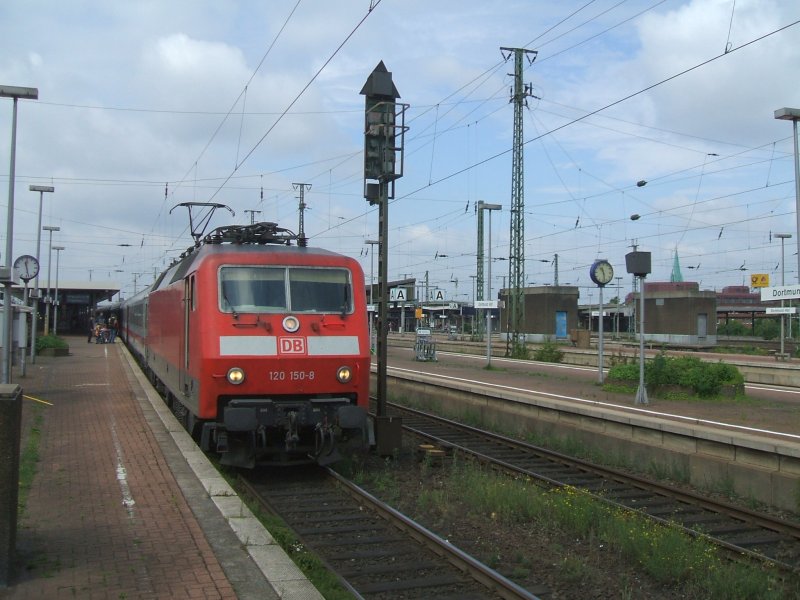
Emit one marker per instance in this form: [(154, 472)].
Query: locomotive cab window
[(281, 289), (320, 290)]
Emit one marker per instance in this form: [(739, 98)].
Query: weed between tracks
[(507, 519)]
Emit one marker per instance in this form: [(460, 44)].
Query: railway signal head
[(381, 131)]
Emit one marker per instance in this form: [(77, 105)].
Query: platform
[(123, 504)]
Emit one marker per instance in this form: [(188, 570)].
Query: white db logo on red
[(293, 345)]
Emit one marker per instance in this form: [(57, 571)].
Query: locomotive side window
[(282, 289), (320, 290)]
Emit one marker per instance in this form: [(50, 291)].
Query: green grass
[(50, 341), (665, 553), (698, 379), (29, 457)]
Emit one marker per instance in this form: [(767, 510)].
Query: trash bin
[(580, 337)]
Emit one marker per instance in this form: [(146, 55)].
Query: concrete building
[(550, 312), (678, 313)]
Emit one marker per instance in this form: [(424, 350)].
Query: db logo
[(292, 345)]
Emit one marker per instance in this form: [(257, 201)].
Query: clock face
[(27, 266), (601, 272)]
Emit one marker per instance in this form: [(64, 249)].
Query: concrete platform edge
[(275, 567)]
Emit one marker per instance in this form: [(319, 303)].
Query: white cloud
[(170, 71)]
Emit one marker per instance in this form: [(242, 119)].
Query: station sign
[(486, 304), (439, 296), (398, 294), (759, 280), (372, 308), (781, 310), (782, 292)]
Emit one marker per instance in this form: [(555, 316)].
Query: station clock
[(27, 266), (601, 272)]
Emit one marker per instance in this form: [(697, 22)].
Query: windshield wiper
[(229, 303)]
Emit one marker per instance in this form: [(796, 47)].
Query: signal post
[(384, 134)]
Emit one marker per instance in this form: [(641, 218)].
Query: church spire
[(676, 269)]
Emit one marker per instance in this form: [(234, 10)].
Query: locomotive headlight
[(291, 324), (344, 374), (235, 376)]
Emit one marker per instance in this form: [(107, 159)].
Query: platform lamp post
[(58, 250), (781, 237), (47, 299), (36, 293), (7, 275), (490, 208), (793, 115), (638, 264)]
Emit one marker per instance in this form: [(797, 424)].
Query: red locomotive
[(261, 348)]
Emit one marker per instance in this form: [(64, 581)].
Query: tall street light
[(781, 237), (47, 299), (793, 114), (490, 208), (58, 250), (26, 93), (36, 292)]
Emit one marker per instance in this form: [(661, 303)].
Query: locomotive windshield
[(285, 289)]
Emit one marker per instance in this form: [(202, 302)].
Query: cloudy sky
[(144, 105)]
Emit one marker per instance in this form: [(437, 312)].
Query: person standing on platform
[(112, 328), (91, 328)]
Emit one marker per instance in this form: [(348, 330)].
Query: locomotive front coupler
[(292, 437)]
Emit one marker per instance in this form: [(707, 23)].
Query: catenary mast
[(515, 310)]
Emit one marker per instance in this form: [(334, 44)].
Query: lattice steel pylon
[(515, 310)]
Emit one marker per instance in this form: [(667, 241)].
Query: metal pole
[(383, 293), (793, 114), (37, 290), (489, 207), (14, 92), (371, 244), (783, 282), (616, 317), (641, 393), (489, 297), (38, 293), (58, 250), (600, 340), (797, 192), (371, 299), (22, 349), (49, 262), (782, 237), (8, 317)]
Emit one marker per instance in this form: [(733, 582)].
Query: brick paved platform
[(115, 510)]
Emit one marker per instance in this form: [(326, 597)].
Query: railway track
[(375, 551), (744, 533)]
